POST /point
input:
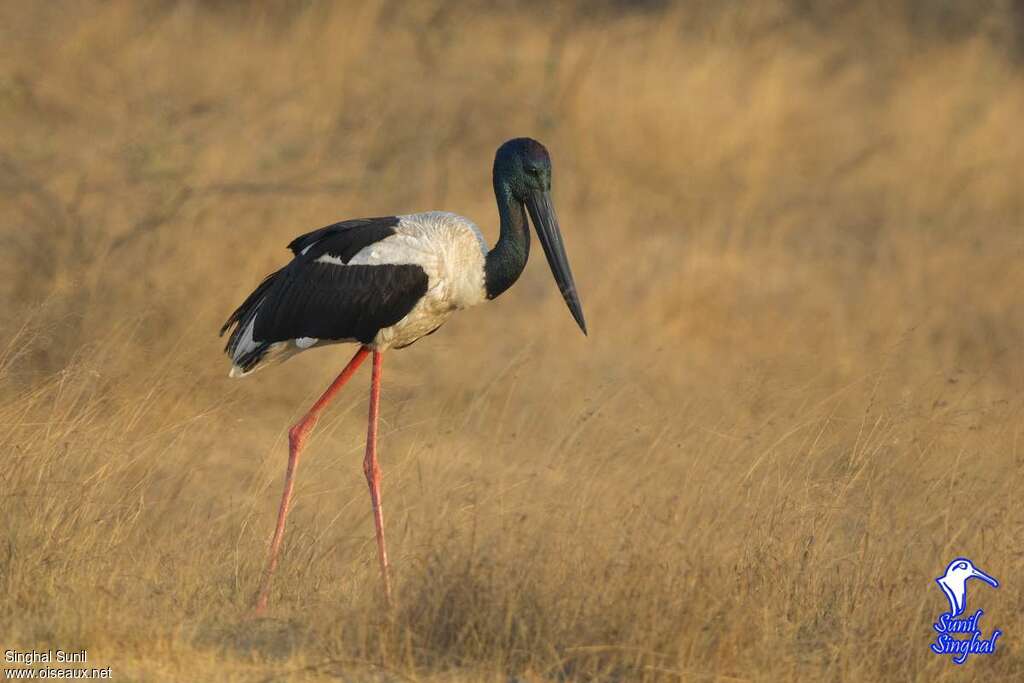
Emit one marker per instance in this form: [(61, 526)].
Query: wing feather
[(345, 238), (328, 301), (325, 300)]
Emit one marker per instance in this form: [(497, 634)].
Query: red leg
[(296, 439), (372, 470)]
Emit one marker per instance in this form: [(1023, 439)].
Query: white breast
[(451, 250)]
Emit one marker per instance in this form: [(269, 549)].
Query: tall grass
[(797, 237)]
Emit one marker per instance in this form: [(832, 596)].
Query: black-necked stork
[(383, 283)]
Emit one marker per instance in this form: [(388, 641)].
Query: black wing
[(329, 301), (242, 314), (344, 239)]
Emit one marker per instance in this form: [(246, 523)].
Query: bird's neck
[(506, 261)]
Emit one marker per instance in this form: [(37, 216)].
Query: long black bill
[(542, 212)]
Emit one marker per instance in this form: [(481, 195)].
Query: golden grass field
[(798, 239)]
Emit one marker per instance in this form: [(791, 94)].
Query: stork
[(384, 283)]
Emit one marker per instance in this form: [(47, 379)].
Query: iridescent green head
[(522, 174)]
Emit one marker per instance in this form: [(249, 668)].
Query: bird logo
[(954, 583)]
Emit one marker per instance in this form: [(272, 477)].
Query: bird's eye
[(533, 170)]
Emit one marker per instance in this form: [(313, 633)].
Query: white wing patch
[(246, 343), (326, 258)]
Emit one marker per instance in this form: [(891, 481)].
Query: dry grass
[(799, 248)]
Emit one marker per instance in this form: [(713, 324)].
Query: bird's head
[(522, 169), (523, 165)]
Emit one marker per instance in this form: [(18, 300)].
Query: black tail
[(241, 318)]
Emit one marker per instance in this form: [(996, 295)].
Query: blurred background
[(796, 229)]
